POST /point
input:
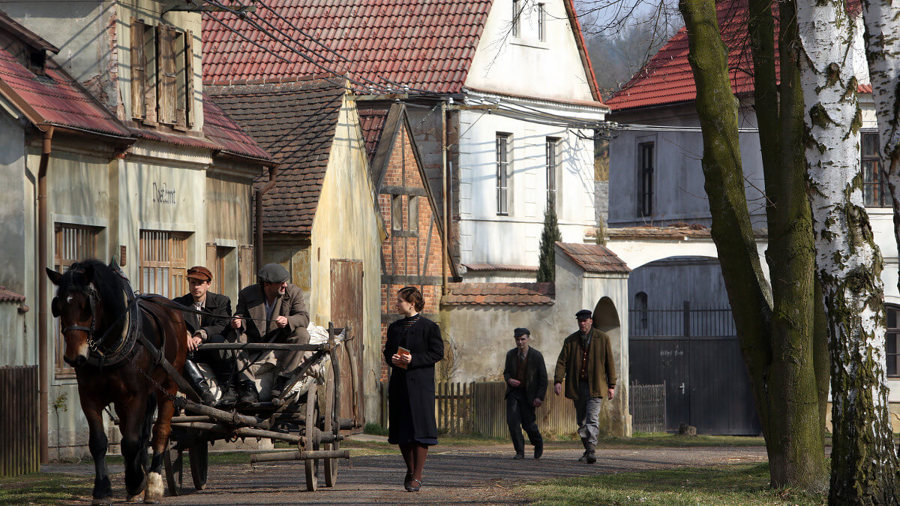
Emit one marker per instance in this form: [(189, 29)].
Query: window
[(541, 22), (396, 212), (225, 271), (516, 15), (875, 191), (162, 72), (503, 141), (552, 157), (164, 263), (640, 305), (71, 244), (892, 341), (413, 214), (645, 175)]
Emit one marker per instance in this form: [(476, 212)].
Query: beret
[(199, 272), (521, 331), (273, 273), (584, 314)]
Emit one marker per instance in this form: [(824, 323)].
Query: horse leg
[(161, 430), (98, 443), (131, 421)]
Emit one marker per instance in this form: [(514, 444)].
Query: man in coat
[(526, 384), (206, 321), (586, 364), (270, 311)]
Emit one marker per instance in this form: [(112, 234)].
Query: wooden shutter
[(189, 78), (138, 72), (166, 74), (245, 266)]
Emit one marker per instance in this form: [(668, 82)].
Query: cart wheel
[(199, 455), (173, 462), (312, 415), (331, 465)]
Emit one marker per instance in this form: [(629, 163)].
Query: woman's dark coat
[(416, 383)]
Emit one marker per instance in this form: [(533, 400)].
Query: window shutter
[(211, 256), (245, 266), (166, 74), (189, 78), (138, 74)]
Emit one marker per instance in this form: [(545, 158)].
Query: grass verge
[(744, 484), (43, 488)]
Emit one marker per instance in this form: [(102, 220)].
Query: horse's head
[(77, 305)]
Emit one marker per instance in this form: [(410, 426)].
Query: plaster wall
[(346, 226), (485, 236), (15, 203), (524, 64), (670, 282)]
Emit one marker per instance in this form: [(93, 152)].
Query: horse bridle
[(96, 356), (93, 297)]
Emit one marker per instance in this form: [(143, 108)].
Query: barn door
[(347, 307)]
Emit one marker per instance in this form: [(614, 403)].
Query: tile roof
[(295, 123), (54, 99), (7, 295), (372, 120), (500, 267), (425, 45), (593, 258), (499, 294), (659, 233), (221, 129)]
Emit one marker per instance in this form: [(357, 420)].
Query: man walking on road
[(587, 366), (526, 385)]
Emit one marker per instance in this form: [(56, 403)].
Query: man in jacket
[(526, 384), (206, 321), (267, 312), (586, 364)]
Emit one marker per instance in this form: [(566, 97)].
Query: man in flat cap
[(270, 311), (206, 321), (587, 366), (526, 384)]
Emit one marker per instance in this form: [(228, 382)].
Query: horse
[(109, 333)]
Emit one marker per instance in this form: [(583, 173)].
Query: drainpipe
[(445, 266), (43, 220), (273, 171)]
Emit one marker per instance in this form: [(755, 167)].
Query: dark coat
[(535, 373), (415, 384), (252, 307), (601, 364), (216, 304)]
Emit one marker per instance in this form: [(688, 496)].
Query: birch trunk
[(779, 347), (882, 19), (863, 462)]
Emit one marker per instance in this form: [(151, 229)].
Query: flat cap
[(200, 273), (521, 331), (273, 273), (584, 314)]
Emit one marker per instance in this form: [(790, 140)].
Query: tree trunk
[(863, 462), (796, 454)]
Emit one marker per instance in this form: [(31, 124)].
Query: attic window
[(37, 61)]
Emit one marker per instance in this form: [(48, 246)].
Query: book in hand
[(402, 352)]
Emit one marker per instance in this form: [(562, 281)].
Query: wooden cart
[(294, 418)]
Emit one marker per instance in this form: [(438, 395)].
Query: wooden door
[(347, 308)]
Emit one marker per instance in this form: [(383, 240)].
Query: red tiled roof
[(593, 258), (425, 45), (500, 267), (659, 233), (55, 99), (667, 77), (218, 127), (295, 123), (371, 120), (7, 295), (499, 294)]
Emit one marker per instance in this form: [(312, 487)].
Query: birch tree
[(849, 264)]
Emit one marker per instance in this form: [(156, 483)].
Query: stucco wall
[(14, 204), (668, 283), (346, 226)]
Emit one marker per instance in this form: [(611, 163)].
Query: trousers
[(520, 412), (587, 411)]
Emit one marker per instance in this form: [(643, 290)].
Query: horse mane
[(108, 283)]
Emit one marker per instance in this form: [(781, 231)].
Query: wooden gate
[(695, 352), (19, 422), (347, 307)]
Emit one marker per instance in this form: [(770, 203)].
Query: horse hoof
[(133, 498), (102, 500), (154, 491)]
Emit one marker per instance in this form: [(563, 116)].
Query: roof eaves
[(582, 50), (25, 35)]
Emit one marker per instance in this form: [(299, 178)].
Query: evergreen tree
[(547, 262)]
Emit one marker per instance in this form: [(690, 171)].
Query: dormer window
[(37, 61), (162, 85)]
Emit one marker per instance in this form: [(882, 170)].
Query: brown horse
[(108, 332)]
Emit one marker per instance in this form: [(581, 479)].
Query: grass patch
[(376, 429), (742, 484), (43, 488), (662, 439)]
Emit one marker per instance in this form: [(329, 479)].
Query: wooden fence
[(19, 423)]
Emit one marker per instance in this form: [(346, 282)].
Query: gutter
[(273, 172), (43, 289)]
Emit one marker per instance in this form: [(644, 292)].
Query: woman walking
[(412, 348)]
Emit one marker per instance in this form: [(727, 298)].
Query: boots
[(199, 382), (229, 398), (590, 456), (248, 394)]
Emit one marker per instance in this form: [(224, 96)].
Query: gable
[(545, 58)]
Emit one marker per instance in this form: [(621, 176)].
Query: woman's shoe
[(414, 485), (407, 482)]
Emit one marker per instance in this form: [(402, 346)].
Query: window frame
[(875, 191), (516, 29), (552, 171), (162, 71), (646, 168), (542, 22), (892, 333), (173, 269), (503, 163)]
